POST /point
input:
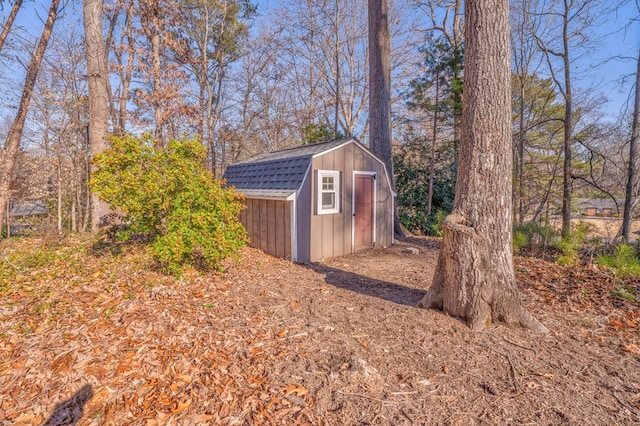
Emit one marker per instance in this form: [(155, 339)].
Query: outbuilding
[(315, 201)]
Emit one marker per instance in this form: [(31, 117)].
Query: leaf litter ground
[(93, 336)]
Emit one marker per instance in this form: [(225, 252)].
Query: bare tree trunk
[(474, 276), (518, 187), (568, 127), (380, 91), (8, 220), (633, 146), (98, 99), (434, 135), (12, 144), (59, 227), (7, 25)]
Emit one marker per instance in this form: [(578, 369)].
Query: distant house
[(315, 201), (22, 209), (23, 215), (603, 207)]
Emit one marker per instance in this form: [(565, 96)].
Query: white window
[(328, 193)]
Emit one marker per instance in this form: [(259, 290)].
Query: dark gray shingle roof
[(300, 151), (27, 208), (278, 170)]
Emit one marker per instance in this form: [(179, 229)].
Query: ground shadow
[(392, 292), (70, 411), (428, 243)]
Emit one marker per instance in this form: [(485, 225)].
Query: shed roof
[(274, 173), (27, 208)]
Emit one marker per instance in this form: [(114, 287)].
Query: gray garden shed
[(315, 201)]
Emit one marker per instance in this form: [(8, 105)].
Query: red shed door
[(363, 211)]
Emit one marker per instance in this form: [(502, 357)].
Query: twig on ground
[(11, 263), (368, 397), (518, 345)]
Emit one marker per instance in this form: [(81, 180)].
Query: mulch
[(98, 337)]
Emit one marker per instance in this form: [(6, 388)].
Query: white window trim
[(337, 189)]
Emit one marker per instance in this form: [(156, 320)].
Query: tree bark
[(98, 99), (474, 276), (434, 136), (380, 91), (12, 143), (568, 128), (10, 19), (633, 146)]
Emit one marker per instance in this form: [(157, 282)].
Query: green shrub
[(625, 293), (426, 224), (623, 261), (171, 199), (571, 246), (533, 236)]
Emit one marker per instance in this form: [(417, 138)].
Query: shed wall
[(268, 225), (331, 234)]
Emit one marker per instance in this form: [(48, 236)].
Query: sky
[(609, 68)]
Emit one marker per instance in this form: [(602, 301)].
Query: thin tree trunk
[(568, 128), (434, 135), (59, 227), (9, 23), (98, 99), (380, 91), (519, 163), (474, 276), (158, 113), (12, 144), (633, 145), (8, 220)]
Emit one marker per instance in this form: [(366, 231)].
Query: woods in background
[(245, 81)]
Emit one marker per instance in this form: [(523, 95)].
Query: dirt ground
[(339, 342)]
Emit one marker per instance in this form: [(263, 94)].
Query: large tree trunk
[(474, 276), (380, 90), (12, 144), (98, 99), (9, 23), (633, 144)]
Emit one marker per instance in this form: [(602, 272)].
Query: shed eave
[(268, 194)]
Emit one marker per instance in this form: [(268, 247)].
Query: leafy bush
[(533, 236), (571, 246), (623, 260), (411, 172), (170, 198)]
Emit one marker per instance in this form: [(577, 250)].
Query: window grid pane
[(328, 192)]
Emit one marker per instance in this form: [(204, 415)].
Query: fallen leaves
[(152, 348), (296, 390)]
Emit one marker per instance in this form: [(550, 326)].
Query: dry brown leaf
[(184, 377), (297, 390), (182, 405), (362, 343), (294, 305), (630, 347)]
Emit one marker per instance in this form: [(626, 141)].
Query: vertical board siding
[(264, 226), (279, 237), (287, 230), (268, 225), (305, 215), (271, 227)]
